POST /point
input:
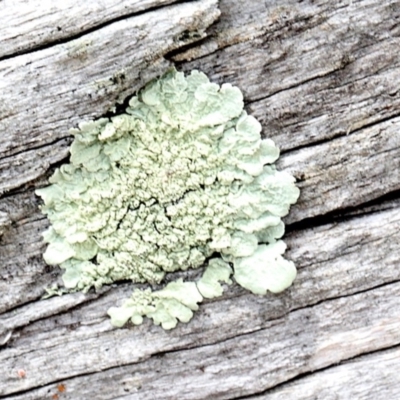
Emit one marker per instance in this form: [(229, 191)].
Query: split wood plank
[(335, 261), (323, 79), (374, 376), (28, 25), (301, 342)]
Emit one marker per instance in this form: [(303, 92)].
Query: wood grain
[(28, 25), (251, 362), (323, 79), (312, 71), (367, 377), (83, 79), (346, 171), (335, 262)]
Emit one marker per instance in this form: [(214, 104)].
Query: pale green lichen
[(182, 176), (175, 302)]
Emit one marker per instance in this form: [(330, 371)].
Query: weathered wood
[(334, 261), (28, 25), (89, 74), (245, 363), (322, 77), (367, 377), (346, 171), (313, 70)]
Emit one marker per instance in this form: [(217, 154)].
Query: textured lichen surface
[(180, 180)]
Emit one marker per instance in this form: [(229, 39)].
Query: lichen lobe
[(183, 176)]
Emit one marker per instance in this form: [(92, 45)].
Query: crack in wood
[(66, 39), (328, 96)]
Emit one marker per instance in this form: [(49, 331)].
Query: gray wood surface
[(323, 78)]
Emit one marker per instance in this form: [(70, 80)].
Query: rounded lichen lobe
[(183, 175)]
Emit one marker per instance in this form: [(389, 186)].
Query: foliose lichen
[(180, 179)]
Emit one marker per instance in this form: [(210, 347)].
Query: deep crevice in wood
[(304, 375), (170, 55), (89, 298), (47, 144), (296, 85), (344, 214), (346, 295), (315, 143), (347, 256), (90, 30)]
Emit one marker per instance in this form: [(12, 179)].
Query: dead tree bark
[(323, 77)]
